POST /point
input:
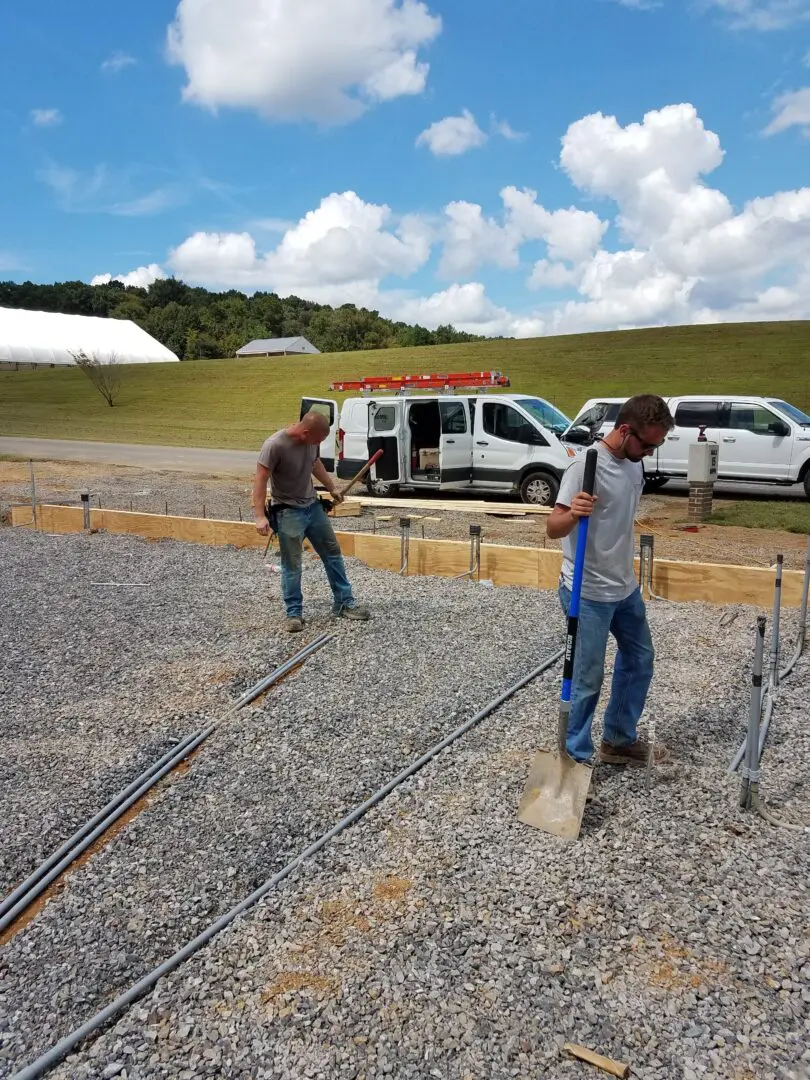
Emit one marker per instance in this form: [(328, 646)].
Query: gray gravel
[(271, 778), (439, 937)]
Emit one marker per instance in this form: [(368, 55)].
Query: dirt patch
[(296, 982), (392, 888)]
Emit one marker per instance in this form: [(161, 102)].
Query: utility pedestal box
[(702, 474)]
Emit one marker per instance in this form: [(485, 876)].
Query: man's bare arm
[(563, 519), (260, 499), (323, 477)]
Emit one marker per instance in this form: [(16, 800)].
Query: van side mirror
[(579, 435), (779, 428)]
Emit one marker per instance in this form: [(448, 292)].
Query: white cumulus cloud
[(764, 14), (46, 117), (301, 59), (791, 110), (655, 243), (337, 253), (456, 135), (117, 61), (453, 135), (142, 276)]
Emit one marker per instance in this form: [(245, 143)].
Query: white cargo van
[(762, 440), (498, 443)]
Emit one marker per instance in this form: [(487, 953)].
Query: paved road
[(242, 462), (173, 458)]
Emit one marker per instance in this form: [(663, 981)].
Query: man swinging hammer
[(288, 460)]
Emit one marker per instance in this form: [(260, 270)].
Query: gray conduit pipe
[(750, 771), (45, 880), (25, 894), (798, 652), (51, 1057), (88, 826)]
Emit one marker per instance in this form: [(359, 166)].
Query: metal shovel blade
[(555, 794)]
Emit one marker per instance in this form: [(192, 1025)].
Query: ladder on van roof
[(401, 384)]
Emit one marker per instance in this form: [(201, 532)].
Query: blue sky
[(528, 167)]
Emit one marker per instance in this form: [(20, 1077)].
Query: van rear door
[(329, 409), (455, 442), (385, 433)]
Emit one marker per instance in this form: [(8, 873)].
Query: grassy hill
[(236, 403)]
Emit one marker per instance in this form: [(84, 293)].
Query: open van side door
[(329, 409), (455, 442), (385, 420)]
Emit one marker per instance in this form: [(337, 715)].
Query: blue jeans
[(632, 673), (296, 524)]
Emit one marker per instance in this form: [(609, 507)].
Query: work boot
[(294, 624), (358, 612), (637, 753)]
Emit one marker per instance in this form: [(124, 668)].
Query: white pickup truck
[(762, 440)]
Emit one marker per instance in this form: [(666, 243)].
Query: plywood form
[(503, 565)]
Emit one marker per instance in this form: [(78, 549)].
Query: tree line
[(197, 324)]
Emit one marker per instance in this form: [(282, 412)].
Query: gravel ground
[(439, 937), (155, 662), (124, 488)]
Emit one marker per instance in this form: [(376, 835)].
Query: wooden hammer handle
[(614, 1068), (356, 479)]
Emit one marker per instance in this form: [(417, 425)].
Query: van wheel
[(382, 488), (539, 489), (654, 483), (807, 483)]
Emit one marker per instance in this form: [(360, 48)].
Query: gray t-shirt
[(290, 464), (609, 573)]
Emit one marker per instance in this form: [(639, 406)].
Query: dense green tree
[(197, 324)]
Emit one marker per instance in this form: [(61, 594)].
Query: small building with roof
[(283, 346)]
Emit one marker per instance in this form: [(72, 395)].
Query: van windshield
[(792, 412), (545, 414)]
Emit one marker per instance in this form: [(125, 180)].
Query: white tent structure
[(48, 339)]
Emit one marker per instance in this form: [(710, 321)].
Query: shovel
[(556, 791)]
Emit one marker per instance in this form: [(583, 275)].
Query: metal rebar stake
[(645, 564), (777, 610), (750, 769), (85, 497), (33, 493), (405, 543), (475, 551)]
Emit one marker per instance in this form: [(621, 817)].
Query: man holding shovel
[(288, 460), (611, 601)]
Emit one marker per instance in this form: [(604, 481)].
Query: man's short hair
[(645, 410), (314, 418)]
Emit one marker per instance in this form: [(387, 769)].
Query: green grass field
[(787, 516), (236, 403)]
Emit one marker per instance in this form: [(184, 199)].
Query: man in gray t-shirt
[(611, 601), (288, 460)]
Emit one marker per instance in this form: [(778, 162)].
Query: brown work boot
[(294, 624), (636, 753)]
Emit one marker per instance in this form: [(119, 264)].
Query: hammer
[(327, 503)]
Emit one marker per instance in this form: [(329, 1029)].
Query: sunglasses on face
[(646, 446)]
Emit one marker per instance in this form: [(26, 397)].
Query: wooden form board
[(501, 564), (462, 506)]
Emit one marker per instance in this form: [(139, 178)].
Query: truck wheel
[(382, 488), (654, 483), (539, 489)]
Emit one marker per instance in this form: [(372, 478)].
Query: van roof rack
[(401, 384)]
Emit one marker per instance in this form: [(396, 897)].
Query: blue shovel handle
[(576, 586)]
